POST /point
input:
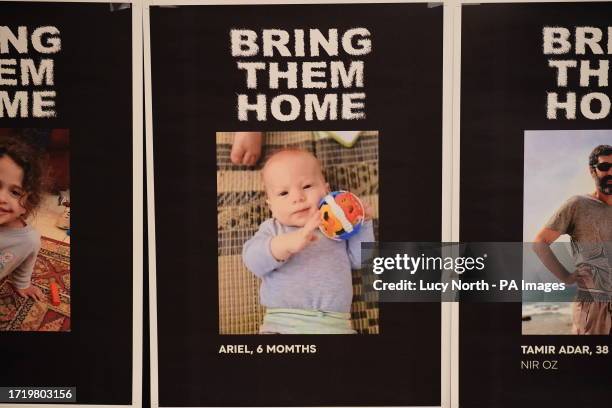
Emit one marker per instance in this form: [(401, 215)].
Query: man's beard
[(603, 184)]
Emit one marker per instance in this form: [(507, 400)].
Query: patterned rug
[(19, 314), (241, 208)]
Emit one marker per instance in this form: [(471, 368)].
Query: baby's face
[(294, 185), (11, 193)]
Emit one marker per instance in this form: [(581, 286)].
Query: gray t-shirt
[(588, 221), (18, 250), (316, 278)]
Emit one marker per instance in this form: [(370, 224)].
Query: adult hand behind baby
[(31, 292)]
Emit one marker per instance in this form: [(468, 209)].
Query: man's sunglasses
[(605, 166)]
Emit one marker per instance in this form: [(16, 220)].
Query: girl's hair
[(33, 163)]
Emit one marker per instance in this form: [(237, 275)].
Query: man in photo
[(587, 219)]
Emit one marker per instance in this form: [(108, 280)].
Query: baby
[(306, 277), (20, 194)]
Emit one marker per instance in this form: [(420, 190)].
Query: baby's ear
[(269, 207), (327, 188)]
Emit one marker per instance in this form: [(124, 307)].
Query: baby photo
[(568, 218), (34, 230), (293, 210)]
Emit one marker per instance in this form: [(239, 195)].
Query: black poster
[(66, 240), (535, 113), (359, 86)]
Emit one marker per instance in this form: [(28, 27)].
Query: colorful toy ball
[(341, 215)]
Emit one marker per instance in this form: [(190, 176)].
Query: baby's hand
[(307, 234), (368, 212), (283, 246), (31, 292)]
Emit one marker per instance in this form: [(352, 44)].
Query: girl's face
[(11, 193)]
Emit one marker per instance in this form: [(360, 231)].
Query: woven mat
[(19, 314), (241, 208)]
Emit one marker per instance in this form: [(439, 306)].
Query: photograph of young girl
[(34, 230), (293, 210)]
